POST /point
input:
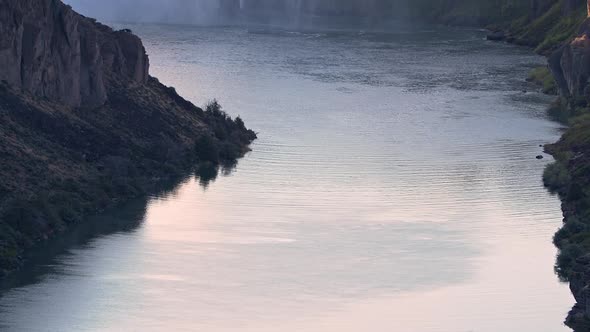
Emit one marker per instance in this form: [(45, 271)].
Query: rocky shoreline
[(567, 47), (569, 176), (83, 126), (560, 30)]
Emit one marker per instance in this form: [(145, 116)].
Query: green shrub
[(240, 123), (559, 112), (556, 177), (206, 149), (542, 77), (570, 228), (565, 260), (565, 28)]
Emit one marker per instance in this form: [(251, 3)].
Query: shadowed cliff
[(83, 126)]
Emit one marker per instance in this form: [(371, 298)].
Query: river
[(394, 187)]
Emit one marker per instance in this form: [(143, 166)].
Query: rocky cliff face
[(570, 65), (49, 50), (83, 126)]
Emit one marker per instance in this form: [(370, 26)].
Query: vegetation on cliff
[(562, 33), (62, 164), (542, 77), (569, 176), (542, 24), (113, 135), (560, 30)]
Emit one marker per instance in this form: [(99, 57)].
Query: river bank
[(344, 222), (111, 133), (560, 31), (561, 34), (153, 156)]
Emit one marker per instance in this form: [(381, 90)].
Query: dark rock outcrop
[(49, 50)]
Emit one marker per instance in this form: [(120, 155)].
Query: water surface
[(394, 187)]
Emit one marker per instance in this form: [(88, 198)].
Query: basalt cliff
[(48, 50), (83, 126)]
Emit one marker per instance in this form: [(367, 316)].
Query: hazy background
[(311, 13), (235, 11), (171, 11)]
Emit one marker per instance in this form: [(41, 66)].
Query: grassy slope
[(544, 30), (471, 12), (542, 77)]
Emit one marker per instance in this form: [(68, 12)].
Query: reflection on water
[(47, 259), (394, 187)]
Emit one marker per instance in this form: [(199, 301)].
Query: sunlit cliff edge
[(83, 126)]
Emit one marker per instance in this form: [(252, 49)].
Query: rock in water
[(496, 36)]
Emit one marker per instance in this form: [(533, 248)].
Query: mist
[(141, 11), (208, 12)]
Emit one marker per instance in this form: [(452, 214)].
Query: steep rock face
[(132, 135), (570, 65), (49, 50)]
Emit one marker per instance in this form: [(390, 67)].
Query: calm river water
[(394, 187)]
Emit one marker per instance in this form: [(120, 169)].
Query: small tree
[(206, 149)]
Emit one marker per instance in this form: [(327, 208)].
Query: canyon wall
[(49, 50), (84, 127)]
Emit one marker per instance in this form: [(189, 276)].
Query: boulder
[(496, 36)]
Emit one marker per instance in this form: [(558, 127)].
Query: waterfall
[(294, 11)]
